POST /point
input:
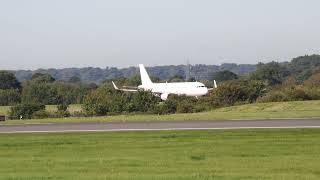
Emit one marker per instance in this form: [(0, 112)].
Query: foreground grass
[(295, 109), (221, 154)]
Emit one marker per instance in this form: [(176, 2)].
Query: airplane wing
[(125, 90)]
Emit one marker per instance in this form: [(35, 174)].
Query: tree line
[(91, 74), (270, 82)]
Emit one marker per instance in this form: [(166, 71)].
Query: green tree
[(42, 93), (236, 91), (143, 101), (41, 89), (177, 78), (74, 79), (42, 78), (312, 86), (313, 81), (224, 76), (98, 102), (284, 93), (271, 73), (8, 81), (73, 93), (305, 66), (26, 110), (166, 107), (9, 97)]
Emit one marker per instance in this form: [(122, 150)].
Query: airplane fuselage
[(179, 88)]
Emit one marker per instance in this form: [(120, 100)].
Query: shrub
[(185, 107), (62, 107), (8, 81), (282, 94), (40, 114), (61, 114), (167, 107), (25, 110), (184, 104), (9, 97), (237, 91), (312, 86), (142, 101), (224, 76), (96, 103), (78, 114)]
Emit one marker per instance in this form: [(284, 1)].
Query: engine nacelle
[(164, 96)]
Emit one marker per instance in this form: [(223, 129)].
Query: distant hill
[(199, 72)]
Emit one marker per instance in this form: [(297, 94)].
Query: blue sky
[(99, 33)]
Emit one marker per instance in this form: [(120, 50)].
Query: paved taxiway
[(164, 125)]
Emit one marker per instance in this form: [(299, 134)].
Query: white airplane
[(163, 90)]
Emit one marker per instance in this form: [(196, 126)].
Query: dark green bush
[(40, 114), (9, 97), (61, 114), (185, 107), (25, 110), (312, 86), (285, 94), (96, 103), (62, 107), (236, 91), (78, 114), (167, 107)]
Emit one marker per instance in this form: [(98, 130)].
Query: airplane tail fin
[(145, 79)]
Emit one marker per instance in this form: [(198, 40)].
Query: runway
[(163, 125)]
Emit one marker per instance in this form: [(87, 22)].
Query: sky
[(121, 33)]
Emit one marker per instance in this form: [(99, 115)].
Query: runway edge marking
[(165, 129)]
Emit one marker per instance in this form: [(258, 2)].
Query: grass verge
[(220, 154), (295, 109)]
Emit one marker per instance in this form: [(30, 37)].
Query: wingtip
[(115, 86), (215, 83)]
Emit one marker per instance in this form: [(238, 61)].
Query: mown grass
[(72, 108), (215, 154), (295, 109), (4, 110)]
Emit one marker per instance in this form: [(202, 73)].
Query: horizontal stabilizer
[(125, 90), (115, 86)]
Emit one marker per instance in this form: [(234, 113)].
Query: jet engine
[(164, 96)]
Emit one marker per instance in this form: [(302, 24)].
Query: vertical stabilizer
[(145, 79)]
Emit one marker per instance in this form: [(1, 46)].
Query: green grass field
[(71, 108), (216, 154), (296, 109), (51, 108), (4, 110)]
